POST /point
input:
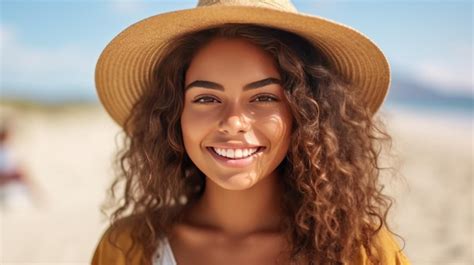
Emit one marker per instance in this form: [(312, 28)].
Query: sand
[(67, 153)]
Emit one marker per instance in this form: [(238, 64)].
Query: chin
[(236, 182)]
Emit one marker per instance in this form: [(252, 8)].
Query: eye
[(266, 99), (205, 100), (209, 100)]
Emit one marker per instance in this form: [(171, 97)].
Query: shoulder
[(114, 244), (389, 250)]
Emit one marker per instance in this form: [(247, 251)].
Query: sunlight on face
[(225, 105)]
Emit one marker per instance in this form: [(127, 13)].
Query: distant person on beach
[(250, 138), (16, 190)]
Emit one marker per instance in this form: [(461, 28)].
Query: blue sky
[(49, 48)]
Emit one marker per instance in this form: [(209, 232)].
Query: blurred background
[(57, 143)]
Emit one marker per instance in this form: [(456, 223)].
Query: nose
[(234, 122)]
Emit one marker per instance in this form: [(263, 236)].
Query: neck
[(243, 212)]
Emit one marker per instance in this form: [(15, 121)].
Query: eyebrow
[(253, 85)]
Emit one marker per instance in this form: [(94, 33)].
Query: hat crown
[(282, 5)]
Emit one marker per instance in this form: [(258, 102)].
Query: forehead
[(229, 59)]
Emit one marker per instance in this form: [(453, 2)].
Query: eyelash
[(273, 99)]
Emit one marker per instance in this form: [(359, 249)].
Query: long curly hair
[(332, 197)]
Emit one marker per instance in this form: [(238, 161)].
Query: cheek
[(279, 134), (277, 127), (194, 126)]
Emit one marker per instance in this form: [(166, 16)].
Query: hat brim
[(126, 65)]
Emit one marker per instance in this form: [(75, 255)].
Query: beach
[(67, 153)]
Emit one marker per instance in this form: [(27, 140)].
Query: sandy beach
[(67, 153)]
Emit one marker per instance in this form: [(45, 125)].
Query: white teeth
[(238, 153), (230, 153), (235, 153)]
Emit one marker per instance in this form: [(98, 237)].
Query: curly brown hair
[(332, 197)]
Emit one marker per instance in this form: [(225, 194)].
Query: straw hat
[(126, 65)]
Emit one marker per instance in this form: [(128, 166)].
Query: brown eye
[(266, 98), (205, 100)]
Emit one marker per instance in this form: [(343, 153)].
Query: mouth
[(235, 156), (236, 161)]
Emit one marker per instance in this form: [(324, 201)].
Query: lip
[(236, 163)]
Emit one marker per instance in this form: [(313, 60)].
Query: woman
[(245, 142)]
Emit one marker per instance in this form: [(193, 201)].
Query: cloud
[(443, 77), (6, 35), (453, 74), (29, 70)]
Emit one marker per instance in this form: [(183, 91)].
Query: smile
[(235, 157)]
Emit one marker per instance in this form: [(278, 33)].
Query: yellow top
[(106, 254)]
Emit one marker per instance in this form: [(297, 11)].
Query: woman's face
[(235, 106)]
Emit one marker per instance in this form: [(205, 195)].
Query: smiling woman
[(249, 144)]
